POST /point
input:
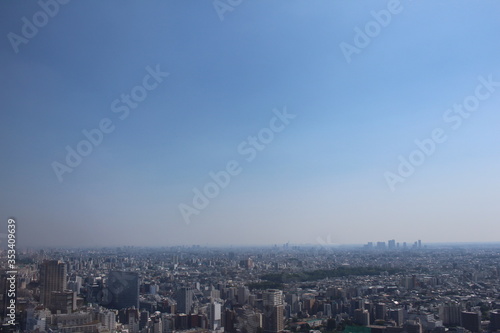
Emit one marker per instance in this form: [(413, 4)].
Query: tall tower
[(272, 297), (362, 317), (397, 316), (185, 300), (273, 311), (52, 278), (243, 294), (214, 315), (380, 311)]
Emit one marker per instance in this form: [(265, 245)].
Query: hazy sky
[(310, 106)]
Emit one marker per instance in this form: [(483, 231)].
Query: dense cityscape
[(377, 288)]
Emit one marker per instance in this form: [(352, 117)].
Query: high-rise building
[(274, 318), (229, 321), (122, 290), (62, 301), (249, 321), (273, 311), (272, 297), (129, 316), (327, 310), (471, 321), (412, 326), (184, 300), (450, 314), (243, 294), (143, 319), (392, 244), (157, 323), (214, 315), (167, 322), (495, 320), (108, 320), (397, 316), (247, 263), (231, 293), (409, 282), (380, 311), (52, 278), (362, 317), (75, 283)]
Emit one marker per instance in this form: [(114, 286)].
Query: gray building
[(122, 290), (52, 278), (184, 300)]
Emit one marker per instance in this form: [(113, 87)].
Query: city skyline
[(431, 290), (320, 245), (182, 123)]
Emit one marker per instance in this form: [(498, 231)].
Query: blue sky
[(322, 175)]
